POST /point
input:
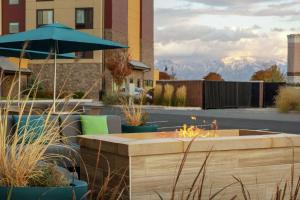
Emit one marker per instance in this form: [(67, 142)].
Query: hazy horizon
[(226, 30)]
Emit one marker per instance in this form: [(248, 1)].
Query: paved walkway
[(256, 119), (251, 113)]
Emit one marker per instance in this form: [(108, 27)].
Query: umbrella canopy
[(57, 37), (8, 52), (32, 55)]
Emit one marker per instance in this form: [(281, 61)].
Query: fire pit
[(261, 159)]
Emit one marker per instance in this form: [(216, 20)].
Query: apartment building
[(293, 72), (12, 21), (129, 22)]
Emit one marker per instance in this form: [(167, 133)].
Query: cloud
[(233, 7), (278, 30), (230, 2), (194, 50), (255, 27), (180, 35), (182, 32)]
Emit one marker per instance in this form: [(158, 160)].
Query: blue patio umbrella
[(32, 55), (59, 39), (27, 54)]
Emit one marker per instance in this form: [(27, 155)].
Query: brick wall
[(13, 13)]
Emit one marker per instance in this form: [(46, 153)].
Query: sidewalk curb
[(163, 107)]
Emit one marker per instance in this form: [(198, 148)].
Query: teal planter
[(139, 129), (79, 188)]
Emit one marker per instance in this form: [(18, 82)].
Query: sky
[(188, 30)]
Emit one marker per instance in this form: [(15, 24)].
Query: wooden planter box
[(261, 159)]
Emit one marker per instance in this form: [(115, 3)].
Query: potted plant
[(135, 117), (27, 171)]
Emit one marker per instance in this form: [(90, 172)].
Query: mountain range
[(231, 69)]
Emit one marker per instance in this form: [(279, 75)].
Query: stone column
[(293, 72)]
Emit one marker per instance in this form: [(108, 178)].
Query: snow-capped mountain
[(231, 69)]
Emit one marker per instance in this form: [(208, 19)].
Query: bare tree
[(119, 66)]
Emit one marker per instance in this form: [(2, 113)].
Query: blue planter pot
[(139, 129), (79, 188)]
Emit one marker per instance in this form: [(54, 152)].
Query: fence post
[(261, 94)]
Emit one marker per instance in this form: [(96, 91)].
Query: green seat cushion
[(33, 127), (94, 125)]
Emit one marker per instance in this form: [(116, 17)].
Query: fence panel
[(194, 91), (270, 92), (244, 94), (227, 94), (212, 94), (255, 94)]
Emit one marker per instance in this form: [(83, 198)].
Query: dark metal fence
[(270, 92), (228, 94), (221, 94)]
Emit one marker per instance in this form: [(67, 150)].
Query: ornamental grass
[(21, 154), (133, 112), (168, 95), (180, 96), (157, 95), (288, 99)]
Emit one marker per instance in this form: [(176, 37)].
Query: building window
[(44, 17), (13, 27), (85, 55), (138, 83), (13, 2), (148, 83), (84, 18)]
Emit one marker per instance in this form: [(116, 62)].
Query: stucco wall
[(147, 36), (64, 12), (134, 29)]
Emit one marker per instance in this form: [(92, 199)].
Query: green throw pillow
[(34, 126), (94, 125)]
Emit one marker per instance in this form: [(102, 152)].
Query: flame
[(192, 131)]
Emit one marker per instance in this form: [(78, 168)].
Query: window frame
[(85, 54), (10, 29), (9, 3), (37, 16), (86, 25)]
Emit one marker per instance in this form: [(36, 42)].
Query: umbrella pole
[(19, 89), (54, 83)]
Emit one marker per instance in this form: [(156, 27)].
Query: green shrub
[(181, 96), (78, 95), (46, 94), (168, 95), (288, 99), (34, 86), (111, 99)]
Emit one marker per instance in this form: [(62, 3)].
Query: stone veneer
[(75, 77), (10, 80)]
